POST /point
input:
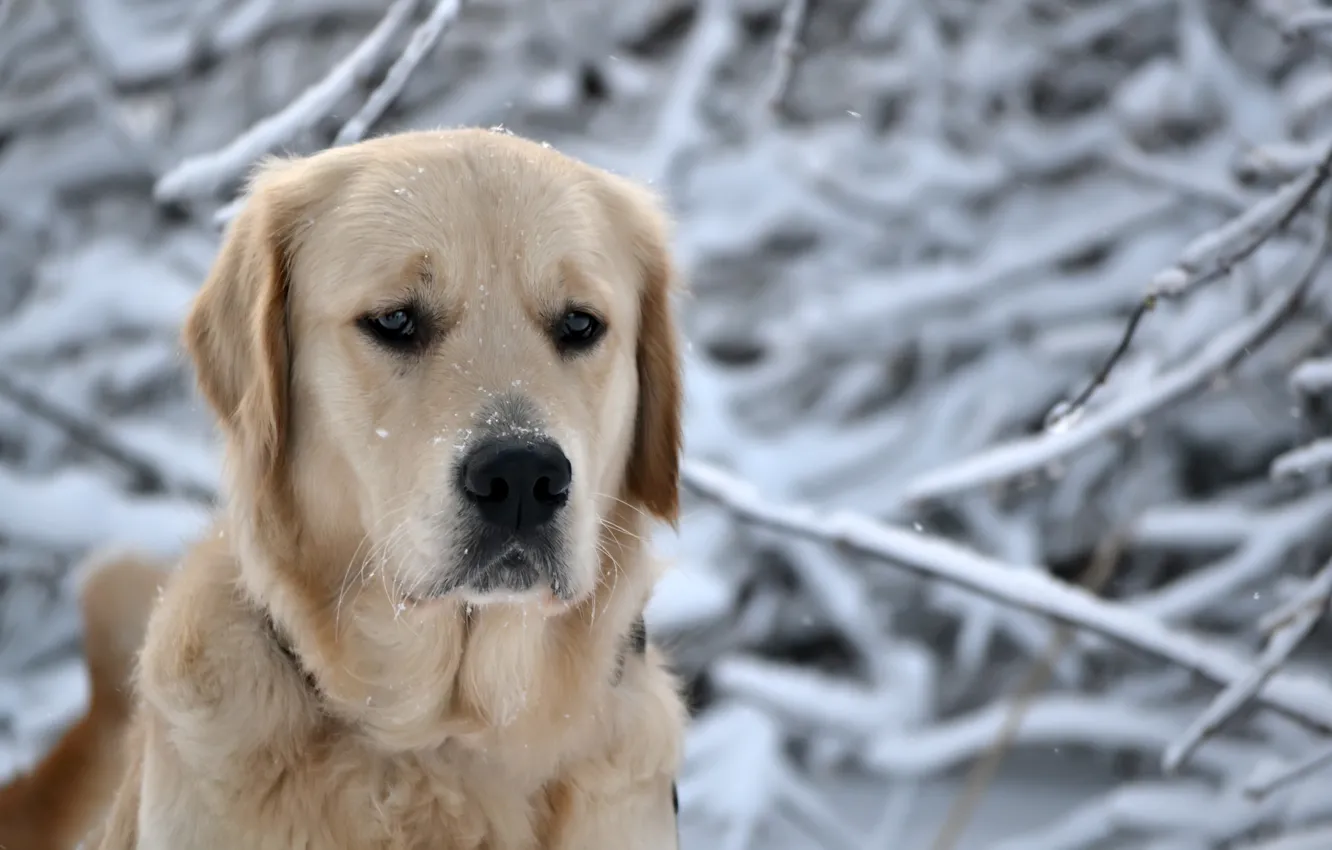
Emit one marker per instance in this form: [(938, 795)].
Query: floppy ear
[(653, 474), (236, 331)]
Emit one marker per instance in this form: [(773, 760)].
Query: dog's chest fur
[(346, 800), (365, 800), (234, 729)]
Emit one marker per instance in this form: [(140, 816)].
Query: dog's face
[(455, 348)]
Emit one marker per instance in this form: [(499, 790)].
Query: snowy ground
[(912, 232)]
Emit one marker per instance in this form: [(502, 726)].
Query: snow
[(912, 235)]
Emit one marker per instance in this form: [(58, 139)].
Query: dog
[(445, 366)]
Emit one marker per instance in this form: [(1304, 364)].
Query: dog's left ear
[(236, 332), (653, 475)]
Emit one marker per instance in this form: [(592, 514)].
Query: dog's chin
[(515, 577)]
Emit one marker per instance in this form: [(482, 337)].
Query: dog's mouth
[(515, 570), (511, 570)]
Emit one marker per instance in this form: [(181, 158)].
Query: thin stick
[(1225, 351), (147, 474), (982, 774), (1279, 648), (786, 51), (1264, 782), (1273, 215), (423, 40)]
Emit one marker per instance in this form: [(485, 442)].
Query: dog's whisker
[(630, 505), (621, 530), (367, 544)]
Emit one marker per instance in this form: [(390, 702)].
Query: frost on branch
[(975, 285)]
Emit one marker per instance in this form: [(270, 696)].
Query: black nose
[(517, 485)]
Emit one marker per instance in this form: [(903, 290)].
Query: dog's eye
[(396, 328), (578, 330)]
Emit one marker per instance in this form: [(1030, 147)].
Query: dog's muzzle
[(515, 491)]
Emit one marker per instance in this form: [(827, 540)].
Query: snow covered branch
[(1285, 638), (1299, 697), (423, 39), (209, 173), (1070, 434), (786, 50)]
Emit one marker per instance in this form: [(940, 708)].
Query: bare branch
[(1248, 231), (1313, 457), (787, 48), (1268, 779), (1027, 588), (1234, 696), (1215, 253), (1308, 21), (1098, 572), (1223, 353), (1285, 160), (82, 431), (1313, 596), (1063, 412), (101, 91), (205, 174), (1188, 184), (423, 40), (1311, 838), (1312, 376), (1271, 536)]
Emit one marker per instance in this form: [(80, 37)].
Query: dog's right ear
[(236, 331)]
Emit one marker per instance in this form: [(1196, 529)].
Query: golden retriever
[(446, 369)]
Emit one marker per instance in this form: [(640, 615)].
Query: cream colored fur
[(451, 723)]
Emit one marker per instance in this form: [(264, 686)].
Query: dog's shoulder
[(210, 657)]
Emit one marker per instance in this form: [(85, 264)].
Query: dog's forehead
[(471, 182), (472, 210)]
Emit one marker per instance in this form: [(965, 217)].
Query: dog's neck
[(412, 679), (634, 645)]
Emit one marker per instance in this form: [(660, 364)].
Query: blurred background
[(914, 232)]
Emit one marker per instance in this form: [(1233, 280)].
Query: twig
[(102, 93), (1234, 696), (1312, 376), (964, 806), (207, 173), (1310, 838), (1307, 21), (423, 40), (1302, 698), (787, 48), (1192, 810), (846, 326), (1263, 220), (1157, 174), (1280, 161), (1065, 413), (1266, 780), (1314, 595), (1313, 457), (1275, 533), (148, 474), (1100, 721), (1226, 350)]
